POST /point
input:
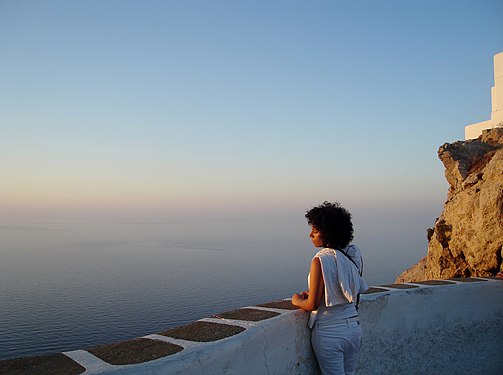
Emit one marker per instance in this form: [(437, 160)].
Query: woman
[(334, 283)]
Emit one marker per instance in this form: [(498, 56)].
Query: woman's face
[(316, 237)]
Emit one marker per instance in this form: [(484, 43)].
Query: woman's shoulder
[(324, 253), (352, 250)]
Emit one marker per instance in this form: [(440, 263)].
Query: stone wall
[(431, 327)]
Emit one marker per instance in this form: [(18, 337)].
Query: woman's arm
[(310, 301)]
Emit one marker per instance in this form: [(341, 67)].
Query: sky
[(166, 109)]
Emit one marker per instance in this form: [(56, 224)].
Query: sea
[(74, 285)]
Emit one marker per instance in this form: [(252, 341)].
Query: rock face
[(467, 238)]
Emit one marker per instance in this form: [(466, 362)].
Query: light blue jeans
[(336, 345)]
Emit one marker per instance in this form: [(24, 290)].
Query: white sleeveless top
[(342, 280)]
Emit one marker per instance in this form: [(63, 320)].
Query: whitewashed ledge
[(433, 327)]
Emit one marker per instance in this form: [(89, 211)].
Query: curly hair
[(333, 222)]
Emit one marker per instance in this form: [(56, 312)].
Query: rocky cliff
[(467, 238)]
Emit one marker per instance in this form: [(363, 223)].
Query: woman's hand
[(297, 298)]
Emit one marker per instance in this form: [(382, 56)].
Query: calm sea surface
[(67, 286)]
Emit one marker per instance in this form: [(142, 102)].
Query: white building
[(474, 130)]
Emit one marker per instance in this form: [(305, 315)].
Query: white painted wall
[(451, 329), (474, 130), (497, 90), (279, 345), (447, 329)]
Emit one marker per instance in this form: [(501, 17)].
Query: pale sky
[(152, 108)]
